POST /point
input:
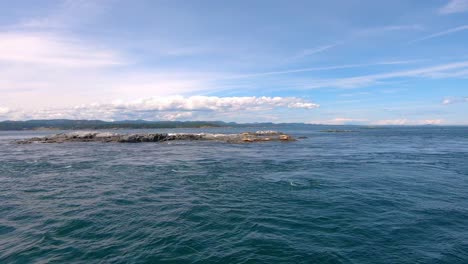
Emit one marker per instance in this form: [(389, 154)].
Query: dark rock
[(158, 137)]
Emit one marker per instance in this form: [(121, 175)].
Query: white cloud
[(438, 71), (454, 6), (312, 51), (431, 122), (455, 100), (442, 33), (176, 116), (62, 70), (392, 122), (64, 15), (49, 49), (308, 52), (448, 70), (168, 108), (4, 110), (386, 29), (402, 27), (342, 120), (212, 103), (339, 121), (399, 122), (385, 122), (324, 68)]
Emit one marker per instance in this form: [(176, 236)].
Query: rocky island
[(109, 137)]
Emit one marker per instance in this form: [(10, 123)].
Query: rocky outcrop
[(106, 137)]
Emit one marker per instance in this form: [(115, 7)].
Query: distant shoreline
[(67, 124)]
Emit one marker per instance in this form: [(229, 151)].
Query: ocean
[(368, 195)]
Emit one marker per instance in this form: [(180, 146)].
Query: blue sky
[(334, 62)]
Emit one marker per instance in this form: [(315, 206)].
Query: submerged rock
[(105, 137)]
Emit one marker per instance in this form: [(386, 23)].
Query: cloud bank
[(400, 122), (167, 108), (382, 122)]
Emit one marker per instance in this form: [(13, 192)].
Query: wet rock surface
[(107, 137)]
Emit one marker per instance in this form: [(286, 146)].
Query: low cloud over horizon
[(169, 108)]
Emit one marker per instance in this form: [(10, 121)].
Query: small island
[(109, 137)]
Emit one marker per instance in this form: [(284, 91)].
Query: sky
[(321, 62)]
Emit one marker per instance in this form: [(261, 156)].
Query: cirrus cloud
[(454, 6), (50, 49), (454, 100)]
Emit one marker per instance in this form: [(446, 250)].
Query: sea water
[(367, 195)]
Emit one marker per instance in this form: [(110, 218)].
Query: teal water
[(384, 195)]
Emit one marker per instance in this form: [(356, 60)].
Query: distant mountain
[(66, 124)]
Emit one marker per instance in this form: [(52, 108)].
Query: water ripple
[(395, 195)]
